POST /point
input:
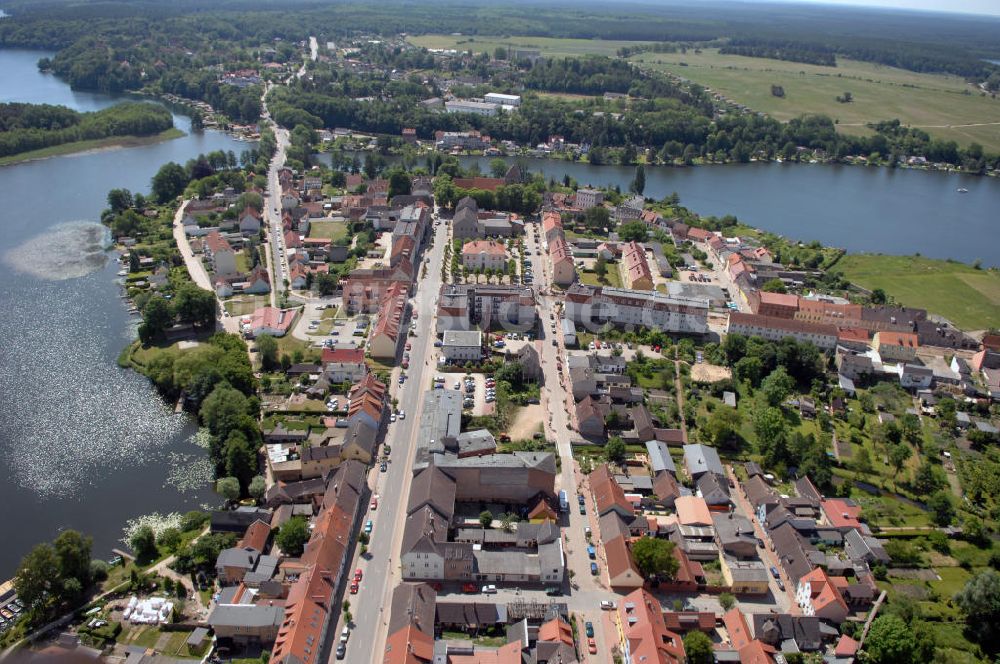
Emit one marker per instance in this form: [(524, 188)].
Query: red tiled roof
[(343, 355), (608, 494), (256, 536), (737, 628), (643, 628)]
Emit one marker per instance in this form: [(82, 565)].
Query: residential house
[(636, 274), (484, 255), (700, 459), (594, 306), (269, 320), (817, 596), (896, 346), (250, 221), (462, 346), (344, 365), (645, 638), (770, 328)]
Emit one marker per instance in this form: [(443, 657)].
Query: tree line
[(26, 127)]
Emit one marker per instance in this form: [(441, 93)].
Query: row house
[(636, 274), (594, 306), (823, 337)]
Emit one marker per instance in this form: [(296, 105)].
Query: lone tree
[(486, 518), (143, 543), (292, 536), (698, 648), (980, 600), (655, 557)]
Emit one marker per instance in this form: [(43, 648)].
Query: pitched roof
[(620, 561), (608, 494), (737, 628), (645, 632), (256, 536), (692, 511), (409, 645)]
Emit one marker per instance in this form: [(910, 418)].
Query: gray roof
[(246, 615), (475, 441), (236, 557), (463, 338), (702, 459), (659, 457)]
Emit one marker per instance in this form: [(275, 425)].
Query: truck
[(563, 501)]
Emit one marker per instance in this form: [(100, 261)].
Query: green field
[(333, 230), (939, 104), (96, 144), (968, 297), (548, 46)]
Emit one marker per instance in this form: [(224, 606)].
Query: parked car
[(781, 584), (580, 499), (591, 553), (593, 568), (368, 526), (607, 605), (591, 646), (345, 634), (589, 627), (490, 589), (775, 574), (468, 588), (583, 509), (384, 467), (341, 651), (553, 591)]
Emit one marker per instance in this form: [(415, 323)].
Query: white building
[(502, 99), (461, 345), (471, 106), (484, 255), (588, 198), (594, 306)]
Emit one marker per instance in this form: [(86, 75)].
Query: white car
[(606, 605), (490, 589), (402, 414), (345, 634)]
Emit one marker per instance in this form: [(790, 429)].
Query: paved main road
[(370, 608)]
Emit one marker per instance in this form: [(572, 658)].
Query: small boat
[(123, 273), (962, 190)]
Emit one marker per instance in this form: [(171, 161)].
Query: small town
[(458, 416)]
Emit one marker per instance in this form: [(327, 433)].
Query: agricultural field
[(968, 297), (549, 46), (944, 106)]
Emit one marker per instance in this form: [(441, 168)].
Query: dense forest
[(26, 127), (776, 50), (919, 41)]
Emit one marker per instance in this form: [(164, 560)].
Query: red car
[(469, 588), (357, 575), (408, 344), (591, 646), (354, 588)]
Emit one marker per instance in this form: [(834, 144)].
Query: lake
[(861, 209), (84, 444)]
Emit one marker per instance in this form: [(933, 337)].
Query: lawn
[(333, 230), (612, 278), (939, 104), (549, 46), (968, 297), (244, 305)]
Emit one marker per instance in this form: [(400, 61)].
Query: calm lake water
[(892, 211), (83, 443)]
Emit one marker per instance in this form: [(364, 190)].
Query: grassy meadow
[(968, 297), (548, 46), (939, 104)]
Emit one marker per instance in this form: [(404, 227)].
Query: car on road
[(589, 627), (402, 414), (607, 605), (591, 646), (553, 591), (469, 588), (781, 584), (374, 503), (384, 467), (345, 634), (583, 509), (593, 568), (368, 526), (580, 499), (760, 543), (591, 553), (774, 573), (341, 651), (489, 590), (358, 575), (354, 587), (392, 418)]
